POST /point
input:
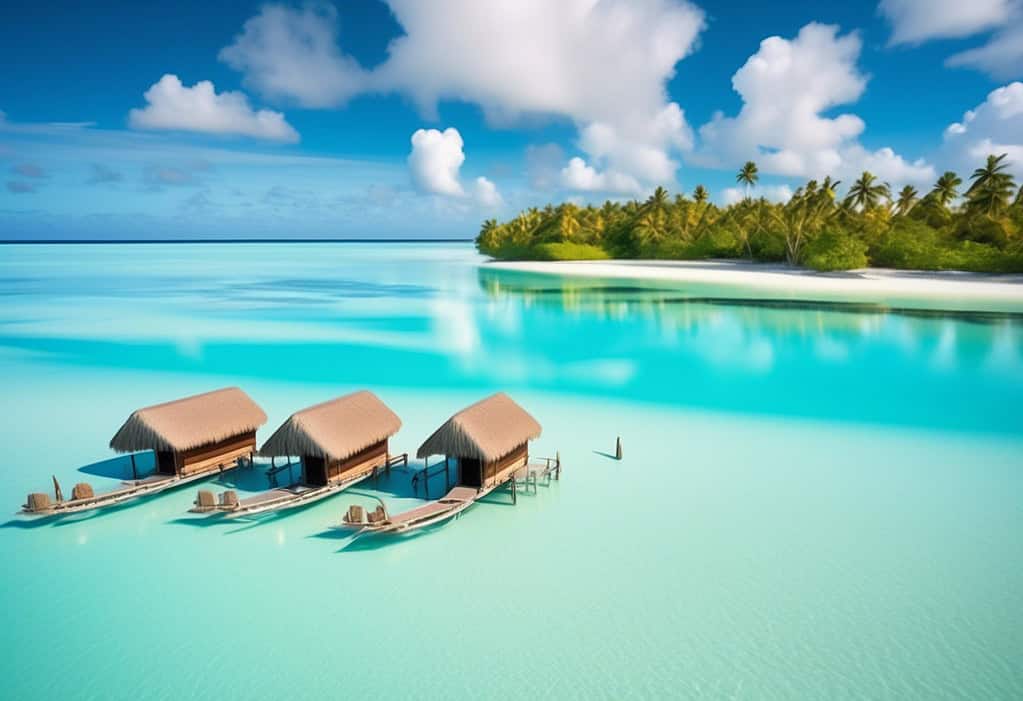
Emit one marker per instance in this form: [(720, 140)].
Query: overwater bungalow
[(338, 443), (191, 439), (487, 446)]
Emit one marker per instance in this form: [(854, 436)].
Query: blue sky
[(420, 119)]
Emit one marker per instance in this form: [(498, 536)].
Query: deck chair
[(354, 515), (378, 515), (205, 500), (229, 499), (82, 490), (38, 502)]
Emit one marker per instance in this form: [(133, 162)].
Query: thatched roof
[(487, 430), (334, 430), (190, 422)]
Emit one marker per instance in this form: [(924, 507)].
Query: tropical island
[(979, 230)]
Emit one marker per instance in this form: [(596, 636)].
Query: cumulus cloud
[(1001, 57), (171, 105), (486, 193), (917, 21), (577, 175), (293, 53), (435, 162), (772, 193), (993, 127), (603, 65), (914, 21), (787, 88)]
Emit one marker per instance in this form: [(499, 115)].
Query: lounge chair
[(82, 490), (205, 501), (38, 502), (229, 499), (354, 516)]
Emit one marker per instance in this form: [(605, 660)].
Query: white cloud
[(486, 193), (993, 127), (602, 64), (772, 193), (914, 21), (577, 175), (1001, 57), (435, 162), (917, 21), (787, 87), (293, 53), (172, 105)]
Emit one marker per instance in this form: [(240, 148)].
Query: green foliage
[(813, 228), (836, 250), (568, 251)]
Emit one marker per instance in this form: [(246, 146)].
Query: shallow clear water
[(815, 501)]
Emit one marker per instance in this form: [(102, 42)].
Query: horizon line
[(232, 240)]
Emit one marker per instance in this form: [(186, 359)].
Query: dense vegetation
[(981, 231)]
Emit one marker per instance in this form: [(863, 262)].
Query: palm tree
[(992, 186), (748, 176), (907, 198), (946, 188), (830, 186), (1019, 197), (866, 192), (700, 194), (487, 239), (658, 201), (651, 228)]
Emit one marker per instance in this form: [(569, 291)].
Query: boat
[(379, 522), (489, 445), (192, 438), (340, 442)]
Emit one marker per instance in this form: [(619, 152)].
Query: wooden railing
[(549, 465)]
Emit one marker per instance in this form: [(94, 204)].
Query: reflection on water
[(430, 317)]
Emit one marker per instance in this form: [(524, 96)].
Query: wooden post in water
[(134, 471), (426, 476), (514, 497), (618, 449), (447, 474), (557, 465)]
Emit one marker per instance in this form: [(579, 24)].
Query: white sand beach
[(948, 289)]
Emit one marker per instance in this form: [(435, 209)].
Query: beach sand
[(947, 289)]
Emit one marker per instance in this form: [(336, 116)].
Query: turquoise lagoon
[(816, 501)]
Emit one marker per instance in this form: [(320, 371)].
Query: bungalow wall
[(317, 471), (472, 474), (206, 457)]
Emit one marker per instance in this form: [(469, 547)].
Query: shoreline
[(954, 289)]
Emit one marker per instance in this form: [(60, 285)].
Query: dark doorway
[(314, 471), (470, 472), (165, 462)]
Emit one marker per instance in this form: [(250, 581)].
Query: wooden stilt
[(557, 465), (426, 477), (447, 474), (618, 449), (134, 470), (515, 498)]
